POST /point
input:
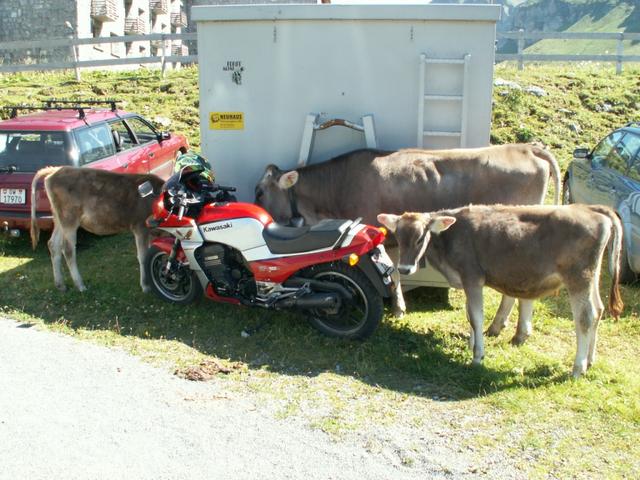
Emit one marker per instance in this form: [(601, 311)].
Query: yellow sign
[(226, 120)]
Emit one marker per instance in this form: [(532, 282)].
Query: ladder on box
[(462, 98)]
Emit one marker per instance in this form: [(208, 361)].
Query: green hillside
[(581, 103), (580, 16)]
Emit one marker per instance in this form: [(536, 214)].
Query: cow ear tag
[(288, 180)]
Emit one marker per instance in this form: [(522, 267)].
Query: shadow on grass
[(399, 356)]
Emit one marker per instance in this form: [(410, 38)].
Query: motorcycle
[(336, 272)]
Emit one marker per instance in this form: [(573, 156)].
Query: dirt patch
[(206, 370)]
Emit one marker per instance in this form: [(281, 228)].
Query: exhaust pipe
[(312, 300), (12, 232), (319, 285)]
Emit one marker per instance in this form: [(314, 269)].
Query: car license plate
[(13, 195)]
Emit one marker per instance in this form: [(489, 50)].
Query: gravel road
[(71, 409)]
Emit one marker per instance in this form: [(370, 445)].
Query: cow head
[(413, 232), (271, 192)]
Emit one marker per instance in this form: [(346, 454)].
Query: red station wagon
[(74, 133)]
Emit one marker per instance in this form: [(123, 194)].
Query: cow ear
[(288, 179), (441, 223), (389, 220)]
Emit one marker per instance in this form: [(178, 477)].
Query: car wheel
[(627, 275)]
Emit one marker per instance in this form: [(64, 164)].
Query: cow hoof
[(492, 332), (61, 287), (146, 289), (398, 312), (82, 289), (578, 370), (517, 341)]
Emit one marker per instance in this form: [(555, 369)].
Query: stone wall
[(44, 19), (35, 20)]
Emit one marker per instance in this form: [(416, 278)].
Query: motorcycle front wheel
[(180, 285), (355, 319)]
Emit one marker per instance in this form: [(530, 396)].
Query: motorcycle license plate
[(383, 261), (13, 196), (383, 256)]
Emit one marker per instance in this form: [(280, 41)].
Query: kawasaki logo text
[(213, 228)]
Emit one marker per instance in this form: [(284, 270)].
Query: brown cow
[(522, 251), (365, 182), (101, 202)]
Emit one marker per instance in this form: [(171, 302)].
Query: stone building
[(44, 19)]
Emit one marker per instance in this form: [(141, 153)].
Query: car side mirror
[(163, 136), (581, 153), (145, 189)]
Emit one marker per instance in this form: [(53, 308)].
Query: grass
[(583, 16), (415, 371), (582, 103), (142, 91), (606, 18)]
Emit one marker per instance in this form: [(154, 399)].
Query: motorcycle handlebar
[(219, 188)]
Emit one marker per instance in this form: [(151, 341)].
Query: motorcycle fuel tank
[(236, 224)]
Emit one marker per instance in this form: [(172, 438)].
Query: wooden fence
[(520, 36), (166, 55), (164, 39)]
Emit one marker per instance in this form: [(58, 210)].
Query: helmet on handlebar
[(193, 171)]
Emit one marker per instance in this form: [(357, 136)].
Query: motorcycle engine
[(226, 270)]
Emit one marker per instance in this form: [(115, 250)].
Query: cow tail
[(555, 170), (615, 247), (35, 230)]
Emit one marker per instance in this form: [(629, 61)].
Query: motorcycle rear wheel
[(181, 286), (356, 319)]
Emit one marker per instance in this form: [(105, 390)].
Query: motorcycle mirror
[(145, 189)]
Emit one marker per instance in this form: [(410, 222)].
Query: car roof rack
[(633, 124), (61, 104), (81, 103)]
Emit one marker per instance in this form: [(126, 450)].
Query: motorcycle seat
[(282, 239)]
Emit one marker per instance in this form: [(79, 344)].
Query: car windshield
[(30, 151)]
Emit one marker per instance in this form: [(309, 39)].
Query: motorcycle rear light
[(383, 231), (376, 235)]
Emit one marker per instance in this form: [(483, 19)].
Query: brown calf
[(101, 202), (524, 252)]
